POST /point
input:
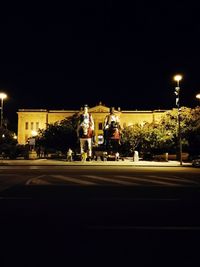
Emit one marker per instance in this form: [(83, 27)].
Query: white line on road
[(147, 180), (177, 179), (37, 180), (109, 180), (74, 180)]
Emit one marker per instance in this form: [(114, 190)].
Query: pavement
[(125, 162)]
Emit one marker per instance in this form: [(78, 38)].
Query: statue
[(112, 131), (85, 133)]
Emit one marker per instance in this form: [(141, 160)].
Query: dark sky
[(61, 57)]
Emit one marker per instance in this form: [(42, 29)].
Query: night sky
[(125, 55)]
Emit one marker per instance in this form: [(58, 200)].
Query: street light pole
[(2, 96), (178, 78)]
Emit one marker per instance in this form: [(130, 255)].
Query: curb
[(95, 164)]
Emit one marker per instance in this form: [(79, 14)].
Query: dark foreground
[(100, 226)]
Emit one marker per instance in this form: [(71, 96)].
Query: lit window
[(31, 125), (26, 125)]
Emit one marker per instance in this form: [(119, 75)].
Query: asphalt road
[(133, 216), (98, 175)]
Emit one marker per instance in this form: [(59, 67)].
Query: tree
[(7, 143), (60, 135), (131, 138), (194, 133), (160, 137), (190, 127), (156, 139)]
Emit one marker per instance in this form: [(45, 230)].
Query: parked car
[(196, 161)]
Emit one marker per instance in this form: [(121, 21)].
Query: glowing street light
[(178, 78), (198, 96), (2, 97)]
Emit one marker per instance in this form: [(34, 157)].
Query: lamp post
[(178, 78), (2, 97)]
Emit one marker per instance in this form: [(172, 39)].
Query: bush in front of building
[(59, 136), (161, 137), (7, 143)]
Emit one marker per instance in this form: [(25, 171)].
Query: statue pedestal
[(32, 154)]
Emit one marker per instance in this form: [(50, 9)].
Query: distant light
[(178, 77), (15, 136), (34, 133), (3, 95), (3, 135), (198, 96)]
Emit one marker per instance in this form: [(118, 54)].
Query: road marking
[(173, 179), (74, 180), (146, 180), (37, 180), (109, 180), (184, 179)]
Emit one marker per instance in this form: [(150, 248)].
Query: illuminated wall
[(30, 120)]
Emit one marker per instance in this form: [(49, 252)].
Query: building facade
[(31, 120)]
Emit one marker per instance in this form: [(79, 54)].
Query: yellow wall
[(42, 117), (56, 115), (32, 117)]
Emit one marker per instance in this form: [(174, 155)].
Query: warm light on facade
[(44, 117), (34, 133)]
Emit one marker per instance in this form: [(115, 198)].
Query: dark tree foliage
[(7, 143), (60, 136), (161, 137)]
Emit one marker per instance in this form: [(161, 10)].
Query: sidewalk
[(126, 162)]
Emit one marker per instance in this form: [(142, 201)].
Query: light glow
[(3, 95), (34, 133), (198, 96), (178, 77)]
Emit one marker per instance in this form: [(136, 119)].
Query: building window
[(31, 125), (26, 125), (37, 126), (100, 126)]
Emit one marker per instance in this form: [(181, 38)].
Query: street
[(98, 175), (142, 215)]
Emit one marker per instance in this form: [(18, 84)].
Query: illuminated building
[(31, 120)]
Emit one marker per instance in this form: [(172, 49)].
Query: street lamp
[(198, 96), (178, 78), (2, 96)]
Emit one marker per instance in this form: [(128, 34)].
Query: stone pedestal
[(32, 154), (136, 156), (165, 156)]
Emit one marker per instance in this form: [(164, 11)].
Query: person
[(85, 131), (69, 154)]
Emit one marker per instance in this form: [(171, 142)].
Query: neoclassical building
[(31, 120)]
